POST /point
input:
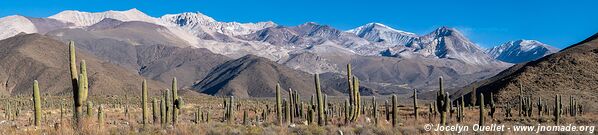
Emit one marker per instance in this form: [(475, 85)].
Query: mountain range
[(569, 73), (203, 53)]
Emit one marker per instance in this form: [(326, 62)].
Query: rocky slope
[(569, 72), (29, 57), (253, 76)]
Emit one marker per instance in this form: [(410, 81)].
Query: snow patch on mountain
[(449, 43), (377, 32), (84, 19), (199, 23), (13, 25), (520, 51)]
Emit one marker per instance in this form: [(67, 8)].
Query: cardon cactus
[(37, 104), (100, 115), (346, 114), (508, 112), (320, 101), (287, 111), (144, 102), (394, 111), (375, 110), (169, 106), (155, 110), (278, 105), (442, 103), (354, 95), (415, 103), (291, 106), (163, 112), (557, 109), (482, 111), (89, 108), (79, 82), (230, 112), (175, 100), (245, 120), (492, 106)]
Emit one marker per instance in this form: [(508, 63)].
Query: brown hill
[(253, 76), (570, 72), (32, 56), (155, 61)]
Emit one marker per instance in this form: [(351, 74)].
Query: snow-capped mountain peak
[(199, 23), (82, 19), (15, 24), (377, 26), (377, 32), (187, 18), (520, 51), (446, 42)]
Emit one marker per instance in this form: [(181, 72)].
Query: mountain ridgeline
[(247, 59)]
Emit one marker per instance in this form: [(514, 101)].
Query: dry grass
[(117, 123)]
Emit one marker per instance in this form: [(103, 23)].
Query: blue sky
[(487, 22)]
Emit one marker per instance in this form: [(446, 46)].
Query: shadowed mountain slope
[(570, 72), (29, 57)]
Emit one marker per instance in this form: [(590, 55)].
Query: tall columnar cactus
[(354, 95), (530, 107), (75, 83), (387, 110), (287, 111), (169, 106), (207, 117), (459, 114), (198, 116), (175, 100), (462, 102), (460, 109), (100, 115), (127, 111), (163, 112), (351, 92), (571, 104), (394, 111), (557, 109), (442, 102), (85, 89), (320, 101), (61, 111), (346, 114), (155, 110), (278, 105), (89, 108), (415, 103), (521, 106), (492, 106), (80, 93), (472, 97), (540, 106), (326, 109), (231, 112), (508, 113), (245, 120), (37, 103), (358, 105), (291, 106), (144, 102), (482, 111), (375, 110), (298, 107)]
